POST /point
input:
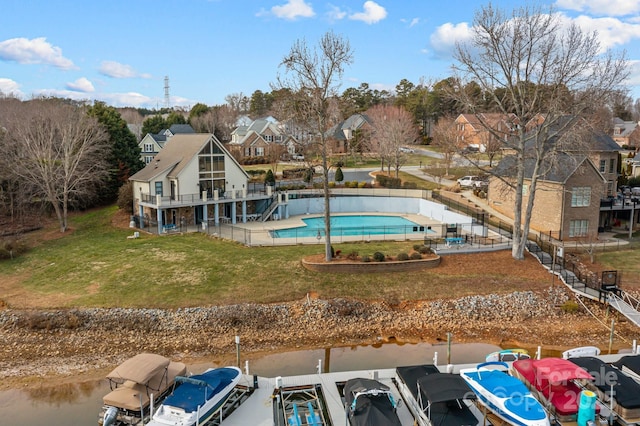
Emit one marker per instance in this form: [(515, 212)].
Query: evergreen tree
[(339, 176), (124, 156), (269, 178)]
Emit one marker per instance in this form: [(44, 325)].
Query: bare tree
[(392, 128), (313, 78), (445, 139), (530, 64), (57, 152)]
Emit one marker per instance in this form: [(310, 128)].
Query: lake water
[(79, 404)]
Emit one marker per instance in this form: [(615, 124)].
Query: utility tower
[(167, 103)]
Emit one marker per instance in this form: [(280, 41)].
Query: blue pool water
[(352, 225)]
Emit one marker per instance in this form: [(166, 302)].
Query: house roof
[(176, 154), (354, 122), (557, 168), (181, 128), (590, 140), (625, 127), (492, 119)]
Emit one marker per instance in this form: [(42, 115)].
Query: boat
[(436, 398), (198, 398), (553, 381), (610, 381), (370, 403), (581, 351), (136, 386), (630, 365), (508, 355), (504, 395)]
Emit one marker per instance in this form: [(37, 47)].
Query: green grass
[(96, 265)]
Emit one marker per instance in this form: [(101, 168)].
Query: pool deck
[(260, 231)]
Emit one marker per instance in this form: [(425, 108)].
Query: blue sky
[(120, 51)]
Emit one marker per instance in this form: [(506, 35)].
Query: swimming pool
[(353, 225)]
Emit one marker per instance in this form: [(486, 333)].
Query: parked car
[(407, 150), (297, 157), (471, 182)]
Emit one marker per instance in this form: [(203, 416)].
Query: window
[(603, 166), (148, 147), (612, 165), (159, 188), (148, 159), (259, 151), (578, 228), (581, 196), (268, 138)]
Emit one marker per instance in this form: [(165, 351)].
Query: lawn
[(95, 265)]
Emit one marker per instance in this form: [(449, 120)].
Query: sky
[(122, 52)]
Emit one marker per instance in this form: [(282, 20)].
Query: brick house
[(626, 133), (572, 185), (472, 130), (262, 138)]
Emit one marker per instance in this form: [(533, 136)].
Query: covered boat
[(630, 365), (136, 385), (197, 398), (370, 403), (553, 381), (436, 398), (609, 381), (505, 396)]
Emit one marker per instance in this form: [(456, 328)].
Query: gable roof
[(592, 140), (625, 127), (558, 169), (176, 154), (181, 128), (353, 123)]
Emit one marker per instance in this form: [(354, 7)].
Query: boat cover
[(199, 388), (410, 375), (370, 409), (626, 390), (552, 377), (139, 369), (442, 387), (632, 362)]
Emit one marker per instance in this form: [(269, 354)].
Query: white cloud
[(372, 13), (612, 32), (117, 70), (335, 13), (10, 87), (81, 85), (414, 22), (444, 39), (35, 51), (602, 7), (293, 9)]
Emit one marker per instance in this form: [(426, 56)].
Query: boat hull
[(505, 396), (180, 408)]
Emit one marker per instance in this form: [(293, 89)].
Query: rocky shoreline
[(38, 345)]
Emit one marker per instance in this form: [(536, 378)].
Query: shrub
[(339, 175), (366, 258), (353, 255), (570, 307), (332, 184), (364, 185), (425, 250), (378, 257), (402, 256), (416, 247), (415, 256), (409, 185), (125, 197)]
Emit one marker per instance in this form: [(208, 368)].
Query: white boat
[(506, 396), (198, 398), (581, 351), (136, 385), (508, 355)]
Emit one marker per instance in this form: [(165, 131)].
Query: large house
[(152, 143), (194, 180), (472, 130), (347, 132), (626, 133), (262, 138), (571, 185)]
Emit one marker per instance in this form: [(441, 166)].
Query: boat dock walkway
[(611, 295), (258, 409)]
